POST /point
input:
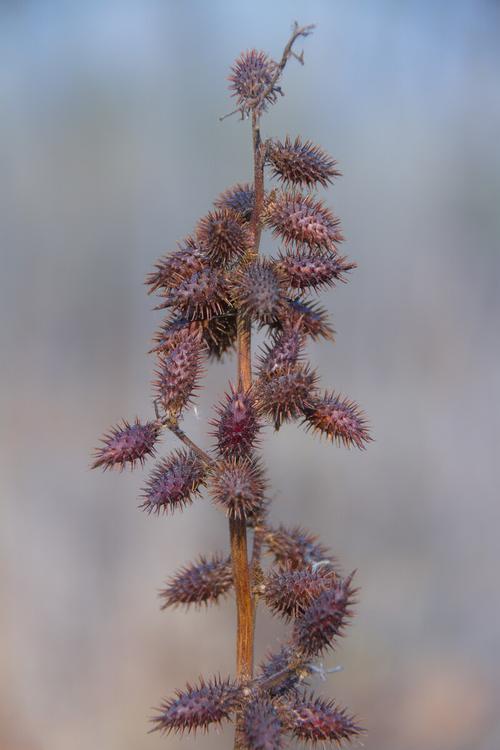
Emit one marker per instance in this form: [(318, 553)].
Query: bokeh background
[(110, 149)]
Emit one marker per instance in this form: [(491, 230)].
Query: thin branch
[(288, 52), (172, 424), (190, 444), (230, 114)]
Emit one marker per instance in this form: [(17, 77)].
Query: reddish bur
[(217, 288)]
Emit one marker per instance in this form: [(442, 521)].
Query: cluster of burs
[(212, 282)]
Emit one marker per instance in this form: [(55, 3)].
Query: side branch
[(288, 52), (173, 426)]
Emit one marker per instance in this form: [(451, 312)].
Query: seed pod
[(198, 706), (239, 198), (217, 334), (290, 593), (225, 235), (126, 444), (286, 394), (238, 486), (200, 296), (237, 425), (178, 372), (259, 291), (300, 219), (304, 270), (261, 725), (284, 352), (338, 419), (220, 333), (177, 266), (173, 333), (301, 163), (295, 548), (308, 318), (314, 720), (174, 482), (325, 619), (202, 582), (251, 77)]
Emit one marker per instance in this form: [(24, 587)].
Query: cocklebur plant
[(218, 286)]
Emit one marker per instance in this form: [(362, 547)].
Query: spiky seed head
[(286, 394), (338, 419), (177, 266), (225, 235), (291, 592), (301, 219), (174, 483), (295, 548), (304, 270), (201, 296), (202, 582), (251, 77), (307, 317), (259, 291), (173, 333), (313, 719), (238, 487), (198, 706), (179, 369), (219, 333), (325, 619), (261, 725), (301, 163), (127, 444), (239, 198), (278, 662), (237, 425), (284, 351)]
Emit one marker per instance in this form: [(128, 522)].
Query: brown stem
[(237, 527), (245, 603), (258, 181)]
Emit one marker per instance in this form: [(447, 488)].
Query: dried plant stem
[(238, 536), (237, 527), (258, 164)]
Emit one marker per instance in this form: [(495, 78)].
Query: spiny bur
[(218, 287), (315, 720), (262, 726), (174, 482), (202, 582), (240, 198), (237, 424), (302, 164), (127, 444), (237, 486)]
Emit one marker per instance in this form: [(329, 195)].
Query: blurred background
[(110, 150)]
